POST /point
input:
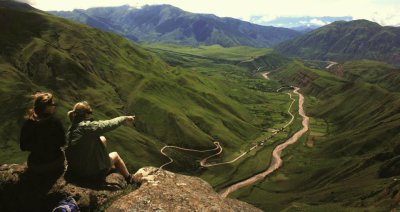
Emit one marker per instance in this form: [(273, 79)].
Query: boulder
[(161, 190)]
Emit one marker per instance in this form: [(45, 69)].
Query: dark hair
[(40, 101), (79, 112)]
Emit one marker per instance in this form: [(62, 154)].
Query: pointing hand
[(130, 119)]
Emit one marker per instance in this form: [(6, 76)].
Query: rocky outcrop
[(23, 191), (162, 190), (159, 190)]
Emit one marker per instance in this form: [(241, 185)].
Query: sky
[(384, 12)]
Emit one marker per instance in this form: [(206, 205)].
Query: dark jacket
[(86, 155), (44, 139)]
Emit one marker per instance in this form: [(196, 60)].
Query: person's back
[(87, 156), (43, 136), (86, 153)]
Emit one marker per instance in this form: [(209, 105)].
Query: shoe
[(129, 179)]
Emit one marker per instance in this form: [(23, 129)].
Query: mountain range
[(341, 41), (168, 24), (338, 41), (189, 97)]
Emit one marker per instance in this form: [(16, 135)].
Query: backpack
[(67, 205)]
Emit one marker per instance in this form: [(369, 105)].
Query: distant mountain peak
[(342, 40), (355, 22), (165, 23)]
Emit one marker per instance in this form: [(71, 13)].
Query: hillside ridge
[(341, 41)]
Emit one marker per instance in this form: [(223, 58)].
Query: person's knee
[(103, 140), (115, 156)]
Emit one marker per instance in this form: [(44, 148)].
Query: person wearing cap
[(86, 152), (43, 135)]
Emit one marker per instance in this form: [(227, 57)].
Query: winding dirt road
[(203, 162), (330, 64), (216, 143), (276, 160), (290, 113), (265, 75)]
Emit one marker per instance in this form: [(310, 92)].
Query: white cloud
[(260, 19), (389, 17), (266, 18), (317, 22), (246, 9)]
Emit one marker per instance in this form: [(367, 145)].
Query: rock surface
[(162, 190), (22, 191), (159, 190)]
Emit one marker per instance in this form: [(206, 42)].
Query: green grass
[(375, 72)]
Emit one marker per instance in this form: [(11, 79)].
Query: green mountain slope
[(341, 41), (168, 24), (374, 72), (349, 160), (186, 106)]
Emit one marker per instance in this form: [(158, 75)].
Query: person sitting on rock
[(86, 151), (43, 135)]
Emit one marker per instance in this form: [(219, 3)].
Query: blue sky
[(385, 12)]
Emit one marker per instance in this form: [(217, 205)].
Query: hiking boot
[(129, 179)]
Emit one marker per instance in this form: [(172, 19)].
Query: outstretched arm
[(104, 126)]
